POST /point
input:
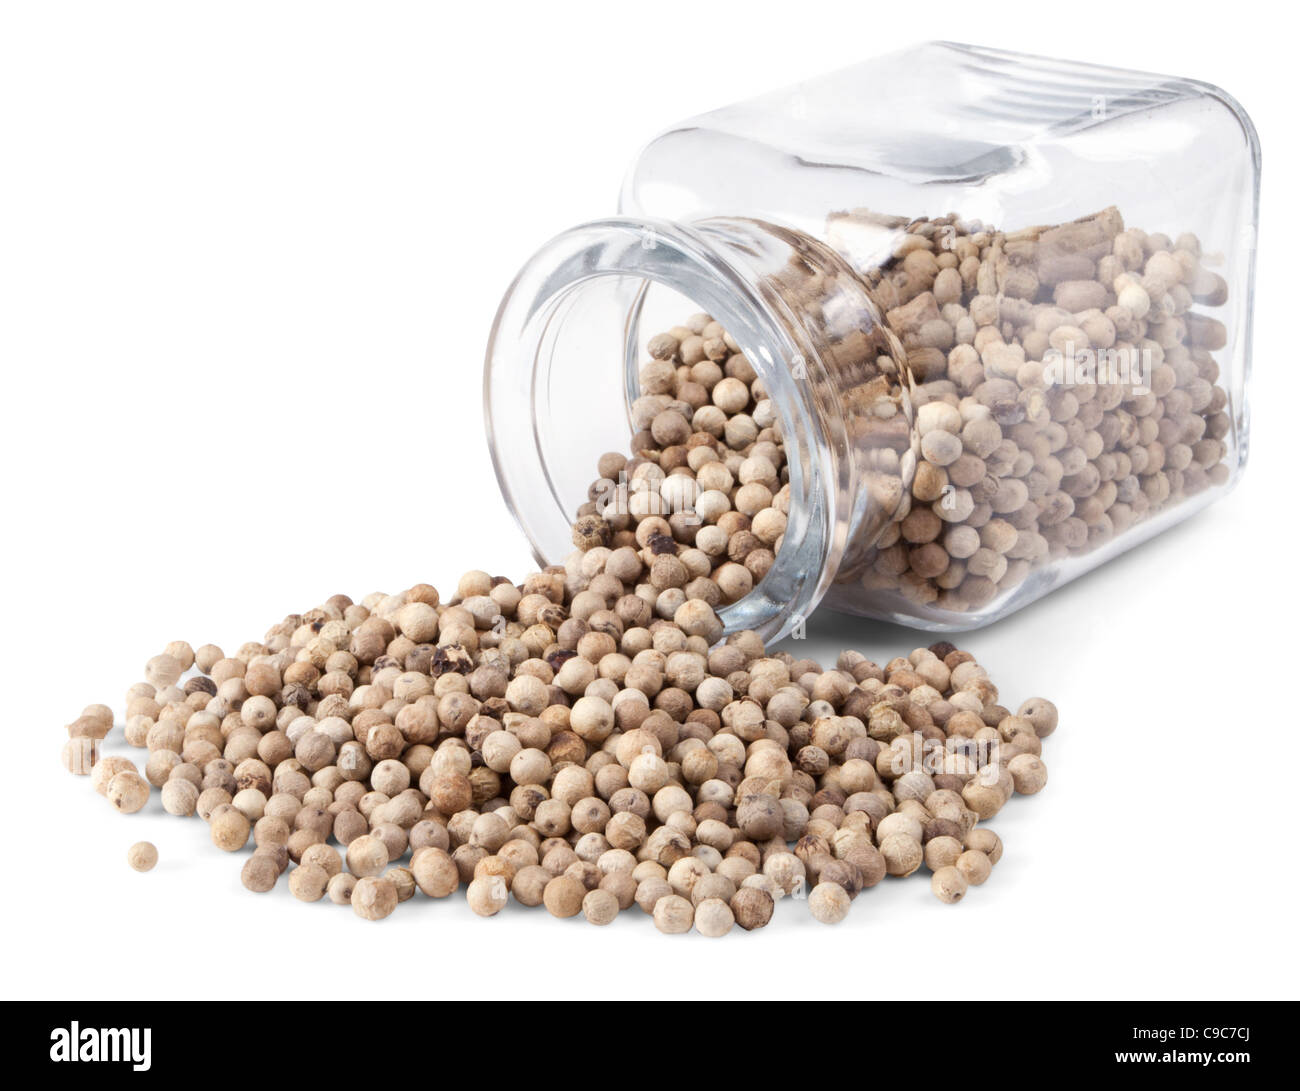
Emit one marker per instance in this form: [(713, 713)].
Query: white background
[(249, 256)]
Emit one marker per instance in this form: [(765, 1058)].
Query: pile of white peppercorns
[(565, 743)]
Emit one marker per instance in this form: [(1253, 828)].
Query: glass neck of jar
[(805, 321)]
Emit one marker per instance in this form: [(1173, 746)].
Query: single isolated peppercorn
[(142, 856)]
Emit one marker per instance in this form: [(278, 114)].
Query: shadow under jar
[(997, 307)]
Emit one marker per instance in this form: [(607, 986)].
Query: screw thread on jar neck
[(802, 317)]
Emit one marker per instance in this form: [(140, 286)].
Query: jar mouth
[(544, 367)]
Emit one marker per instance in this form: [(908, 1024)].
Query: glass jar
[(999, 305)]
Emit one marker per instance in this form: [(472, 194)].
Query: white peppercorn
[(563, 896), (403, 882), (673, 914), (210, 799), (259, 873), (650, 890), (230, 829), (829, 903), (1041, 713), (903, 854), (179, 797), (142, 856), (207, 656), (487, 895), (307, 882), (600, 906), (622, 886), (340, 887), (942, 851), (752, 907), (1028, 773), (367, 856), (163, 670), (323, 856), (373, 898), (949, 884), (982, 839), (435, 872), (713, 917), (974, 866), (128, 792)]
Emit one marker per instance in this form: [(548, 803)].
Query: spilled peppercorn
[(573, 742)]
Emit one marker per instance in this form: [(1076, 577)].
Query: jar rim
[(714, 263)]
